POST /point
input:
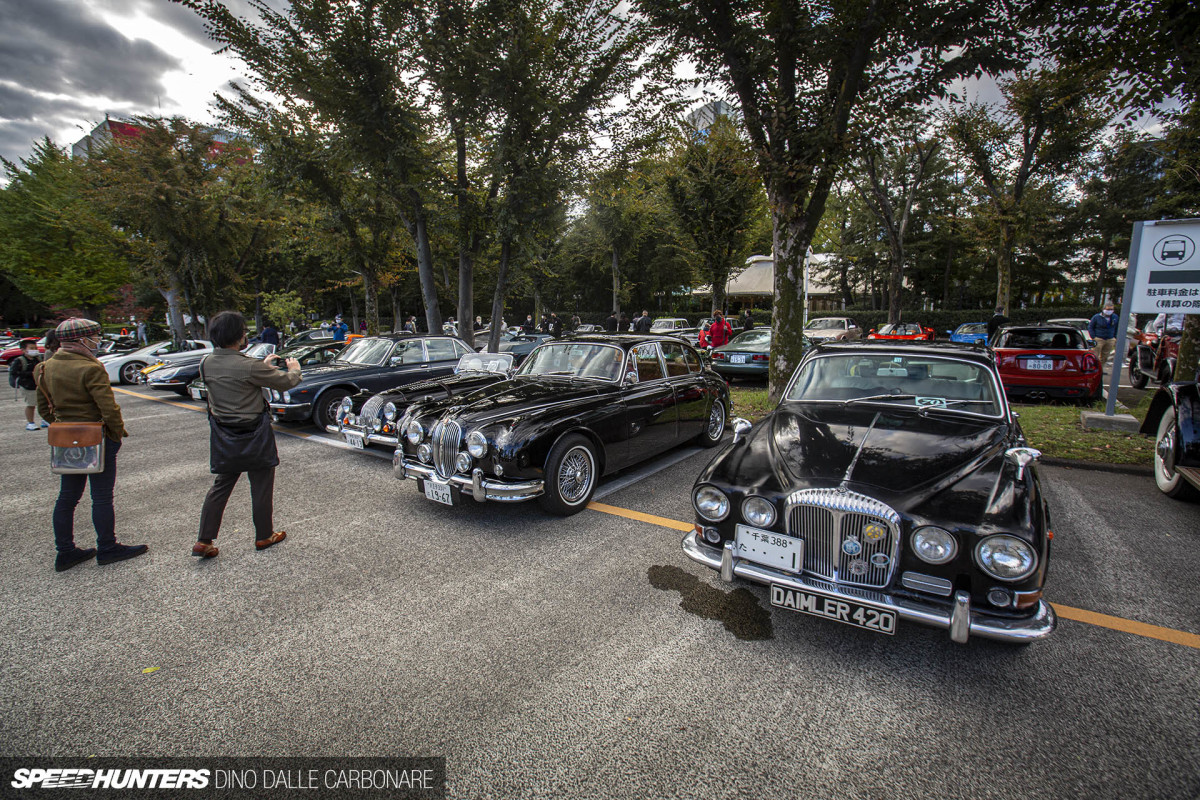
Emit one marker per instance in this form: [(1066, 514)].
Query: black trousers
[(262, 499)]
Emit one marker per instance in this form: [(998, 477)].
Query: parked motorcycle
[(1154, 362)]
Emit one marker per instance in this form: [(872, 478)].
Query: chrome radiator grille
[(372, 408), (848, 537), (446, 437)]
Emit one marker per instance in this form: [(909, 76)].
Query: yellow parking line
[(1066, 612), (1128, 626), (640, 517)]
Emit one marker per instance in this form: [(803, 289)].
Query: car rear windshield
[(1024, 339), (825, 324), (754, 337), (917, 380), (977, 327), (582, 360)]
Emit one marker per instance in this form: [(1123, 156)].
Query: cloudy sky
[(64, 64)]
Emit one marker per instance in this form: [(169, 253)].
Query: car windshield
[(595, 361), (926, 382), (259, 350), (825, 324), (754, 337), (664, 325), (367, 351), (1025, 339), (900, 329), (485, 362), (973, 327)]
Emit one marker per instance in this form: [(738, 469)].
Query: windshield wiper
[(947, 403), (878, 397)]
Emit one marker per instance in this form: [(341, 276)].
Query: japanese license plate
[(737, 358), (1039, 363), (439, 492), (769, 549), (879, 620), (353, 439), (195, 393)]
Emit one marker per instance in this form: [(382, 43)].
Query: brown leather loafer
[(204, 550), (274, 538)]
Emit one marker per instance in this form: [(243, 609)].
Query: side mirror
[(740, 427), (1022, 457)]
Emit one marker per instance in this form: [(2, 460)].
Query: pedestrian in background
[(555, 326), (21, 377), (1102, 329), (141, 332), (610, 323), (269, 334), (996, 322), (241, 430), (339, 329), (624, 325), (642, 324), (73, 387), (720, 332), (747, 321)]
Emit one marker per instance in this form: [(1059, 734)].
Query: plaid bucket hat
[(76, 328)]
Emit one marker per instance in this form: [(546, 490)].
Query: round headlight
[(376, 423), (711, 503), (414, 432), (346, 405), (758, 512), (462, 463), (425, 453), (275, 395), (934, 545), (389, 412), (1006, 558), (287, 397), (476, 444)]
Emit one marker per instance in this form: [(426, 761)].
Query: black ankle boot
[(120, 552), (69, 558)]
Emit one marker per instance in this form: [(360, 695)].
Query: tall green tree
[(807, 75), (344, 72), (1050, 120), (717, 198), (54, 247)]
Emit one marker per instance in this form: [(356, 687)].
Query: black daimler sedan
[(577, 409), (373, 417), (373, 363), (892, 482)]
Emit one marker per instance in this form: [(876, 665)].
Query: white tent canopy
[(758, 278)]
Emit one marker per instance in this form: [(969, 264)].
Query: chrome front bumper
[(479, 487), (374, 437), (960, 620)]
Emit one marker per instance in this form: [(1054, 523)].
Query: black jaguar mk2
[(890, 483), (576, 409)]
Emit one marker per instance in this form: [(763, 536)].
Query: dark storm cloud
[(16, 140), (22, 105), (53, 46)]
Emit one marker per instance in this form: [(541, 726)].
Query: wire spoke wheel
[(576, 472)]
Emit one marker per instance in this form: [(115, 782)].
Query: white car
[(124, 367)]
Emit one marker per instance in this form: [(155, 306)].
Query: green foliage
[(282, 307), (53, 245)]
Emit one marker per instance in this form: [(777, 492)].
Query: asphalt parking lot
[(577, 658)]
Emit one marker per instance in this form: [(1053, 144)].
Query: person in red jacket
[(721, 331)]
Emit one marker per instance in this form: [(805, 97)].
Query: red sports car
[(903, 331), (1043, 361)]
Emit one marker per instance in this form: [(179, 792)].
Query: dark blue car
[(970, 333)]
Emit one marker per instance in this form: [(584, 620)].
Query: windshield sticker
[(931, 401)]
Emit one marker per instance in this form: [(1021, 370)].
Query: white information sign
[(1167, 277)]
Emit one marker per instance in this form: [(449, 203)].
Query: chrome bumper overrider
[(479, 487), (960, 620), (371, 438)]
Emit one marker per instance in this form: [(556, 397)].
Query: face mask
[(31, 352), (1108, 312)]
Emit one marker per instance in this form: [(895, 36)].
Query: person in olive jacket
[(73, 387), (235, 400)]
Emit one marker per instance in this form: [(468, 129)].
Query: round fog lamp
[(934, 545), (425, 453), (389, 411), (998, 598), (1006, 558), (476, 444), (758, 512), (712, 535), (711, 503), (463, 463), (377, 423), (414, 432), (346, 405)]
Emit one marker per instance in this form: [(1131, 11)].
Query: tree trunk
[(1004, 268), (353, 309), (258, 289), (616, 283), (466, 266), (1187, 368), (538, 310), (195, 331), (174, 311), (420, 234), (371, 301), (498, 297), (895, 283), (792, 235), (1100, 278), (946, 276), (397, 323), (720, 277)]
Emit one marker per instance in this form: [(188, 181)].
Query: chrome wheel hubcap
[(1166, 454), (575, 475), (716, 421)]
